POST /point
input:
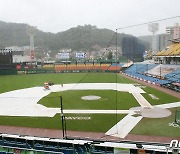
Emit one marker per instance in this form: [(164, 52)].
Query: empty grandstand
[(115, 67), (78, 67), (165, 72), (162, 75), (170, 55)]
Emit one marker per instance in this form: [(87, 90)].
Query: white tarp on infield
[(23, 102)]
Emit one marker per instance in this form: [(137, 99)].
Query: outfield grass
[(162, 97), (13, 82), (158, 127), (72, 100), (97, 122)]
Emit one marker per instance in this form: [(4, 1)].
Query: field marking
[(141, 100), (169, 105), (123, 127), (100, 111), (175, 125), (77, 118), (153, 96)]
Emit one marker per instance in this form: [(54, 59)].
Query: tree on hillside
[(81, 38), (110, 55)]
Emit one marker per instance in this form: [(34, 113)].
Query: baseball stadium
[(90, 107)]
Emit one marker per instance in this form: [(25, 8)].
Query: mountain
[(80, 38), (13, 34)]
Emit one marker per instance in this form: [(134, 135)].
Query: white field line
[(169, 105), (99, 111), (123, 127), (141, 100)]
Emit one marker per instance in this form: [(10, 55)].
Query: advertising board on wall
[(81, 55), (63, 55)]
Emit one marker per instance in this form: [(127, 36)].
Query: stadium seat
[(139, 71)]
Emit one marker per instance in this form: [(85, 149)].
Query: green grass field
[(110, 99)]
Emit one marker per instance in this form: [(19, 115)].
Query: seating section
[(89, 66), (163, 69), (86, 67), (174, 76), (77, 67), (81, 66), (101, 150), (71, 67), (96, 67), (139, 71), (11, 144), (164, 75), (60, 67), (48, 66), (141, 68), (104, 66), (115, 67)]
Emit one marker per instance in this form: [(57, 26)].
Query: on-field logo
[(174, 144)]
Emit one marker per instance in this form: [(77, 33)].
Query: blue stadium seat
[(173, 76), (138, 71)]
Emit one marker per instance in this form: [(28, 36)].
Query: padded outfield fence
[(42, 71)]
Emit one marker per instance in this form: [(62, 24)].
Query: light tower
[(30, 30), (153, 27)]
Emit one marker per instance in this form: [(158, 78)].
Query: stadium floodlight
[(153, 27), (31, 30)]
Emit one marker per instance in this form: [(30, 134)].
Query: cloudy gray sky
[(60, 15)]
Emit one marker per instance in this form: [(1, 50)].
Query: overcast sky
[(60, 15)]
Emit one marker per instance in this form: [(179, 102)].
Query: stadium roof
[(170, 51)]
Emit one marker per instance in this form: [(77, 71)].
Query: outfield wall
[(8, 72), (42, 71)]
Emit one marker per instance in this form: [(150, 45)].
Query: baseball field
[(93, 102)]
